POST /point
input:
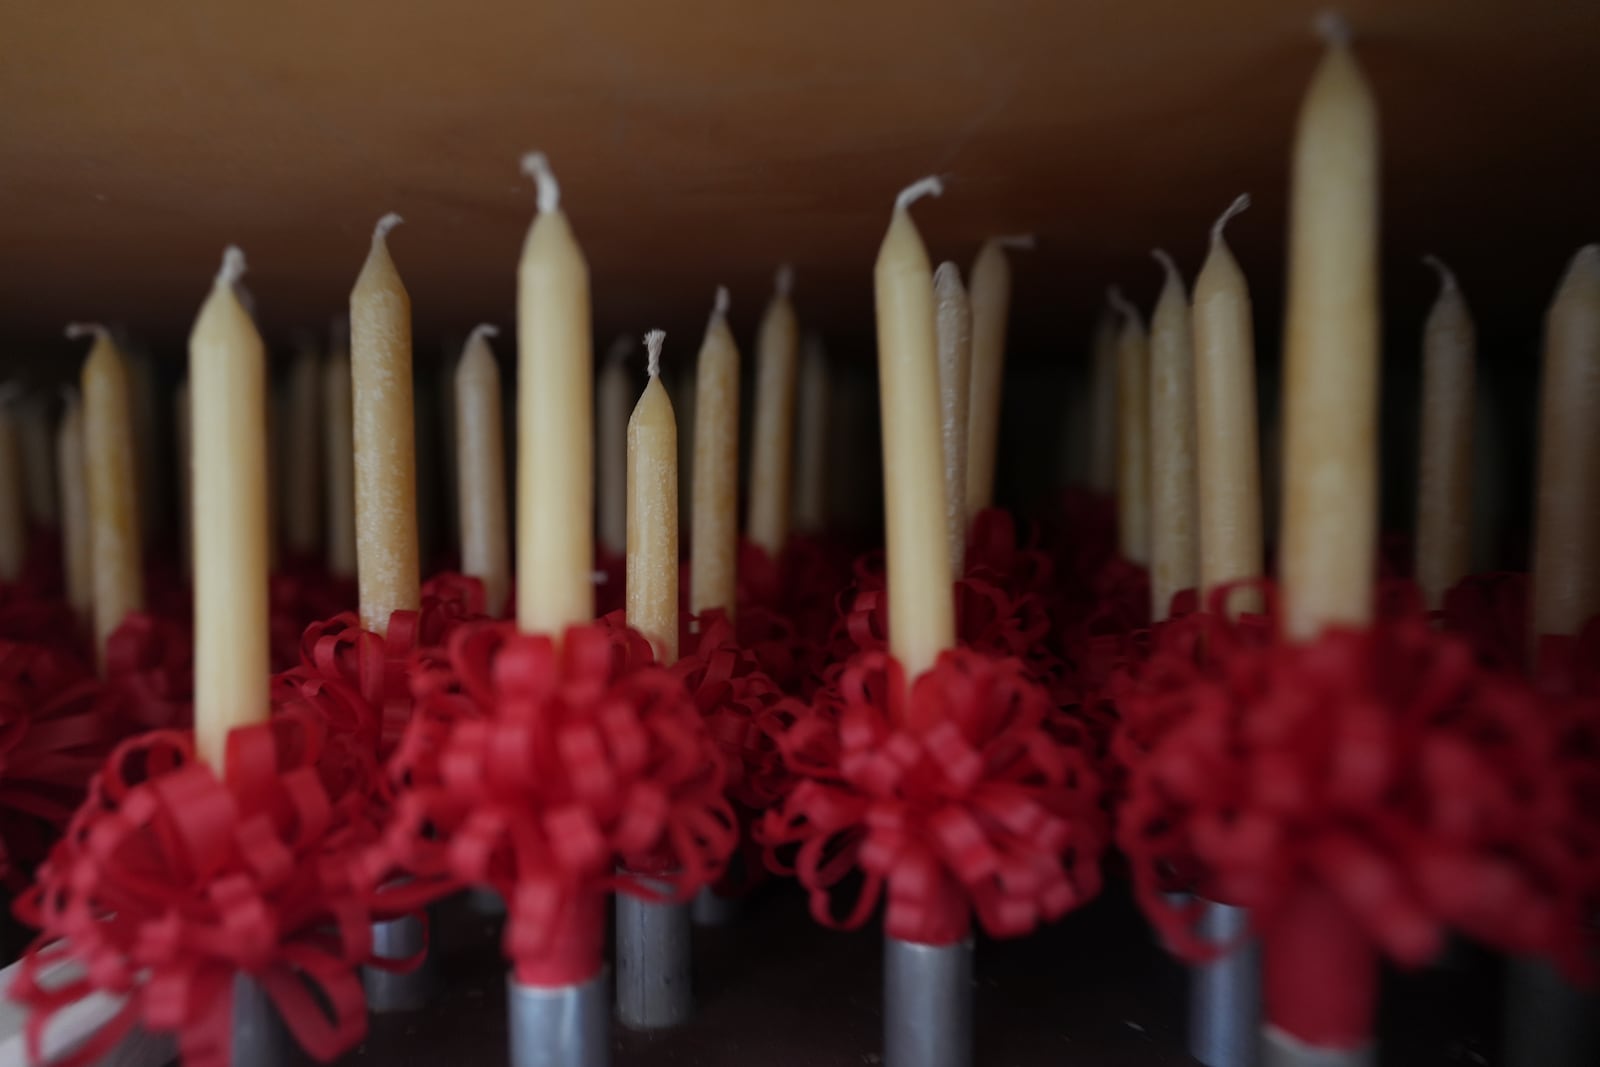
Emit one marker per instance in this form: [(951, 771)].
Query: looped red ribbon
[(151, 660), (950, 799), (541, 770), (170, 882), (993, 553)]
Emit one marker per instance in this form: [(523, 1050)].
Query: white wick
[(76, 330), (484, 331), (1447, 278), (232, 266), (785, 280), (388, 222), (1333, 28), (652, 344), (1021, 242), (1240, 202), (719, 307), (932, 185), (537, 167), (1171, 268), (1120, 305)]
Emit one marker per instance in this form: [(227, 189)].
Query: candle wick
[(1120, 305), (537, 167), (76, 330), (380, 232), (1333, 28), (1020, 242), (484, 330), (1447, 278), (719, 308), (652, 344), (1240, 202), (932, 185), (1167, 265), (785, 280), (232, 266)]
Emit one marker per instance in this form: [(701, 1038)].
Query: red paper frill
[(555, 775), (950, 800), (170, 882), (150, 668)]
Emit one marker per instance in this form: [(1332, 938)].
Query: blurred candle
[(921, 597), (109, 464), (147, 469), (555, 413), (652, 596), (302, 460), (611, 445), (183, 436), (38, 461), (772, 430), (481, 470), (953, 327), (990, 301), (714, 524), (1330, 496), (1228, 459), (384, 429), (1566, 552), (338, 457), (13, 495), (1444, 480), (77, 554), (1103, 403), (1174, 554), (1133, 434), (811, 439), (227, 383)]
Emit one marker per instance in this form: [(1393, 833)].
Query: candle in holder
[(555, 413), (921, 596), (611, 445), (811, 439), (77, 552), (387, 569), (1174, 555), (772, 432), (338, 457), (13, 496), (1227, 448), (109, 465), (481, 470), (1330, 449), (714, 524), (953, 326), (1133, 434), (1444, 480), (302, 461), (989, 297), (652, 596), (227, 383)]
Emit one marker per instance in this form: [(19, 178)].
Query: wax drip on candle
[(1018, 242), (1121, 306), (537, 167), (652, 344), (1447, 278), (719, 306), (932, 185), (380, 232), (1333, 28), (77, 330), (785, 280), (1240, 202), (1167, 265)]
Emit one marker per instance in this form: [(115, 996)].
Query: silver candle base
[(927, 1004), (1548, 1022), (561, 1026), (710, 908), (1225, 994), (1279, 1049), (393, 991), (259, 1037), (654, 990)]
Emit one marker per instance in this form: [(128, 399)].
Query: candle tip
[(932, 185), (1333, 28), (1018, 242), (537, 167), (785, 280), (76, 330), (1120, 305), (1167, 265), (380, 232), (483, 331), (719, 308), (652, 345), (1447, 277), (1240, 202), (946, 277)]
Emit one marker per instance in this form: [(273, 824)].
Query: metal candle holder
[(559, 1026), (654, 990), (259, 1037), (927, 1004), (1225, 994), (391, 991)]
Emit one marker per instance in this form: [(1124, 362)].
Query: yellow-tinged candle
[(183, 438), (811, 439), (227, 384), (338, 458), (652, 600), (1174, 551), (555, 412), (1329, 534), (109, 463), (990, 300), (772, 431), (611, 445), (481, 470), (384, 431), (1227, 449), (1103, 403), (1566, 551), (1133, 434), (302, 458), (714, 523), (921, 598), (1444, 478), (953, 327), (77, 554), (13, 496)]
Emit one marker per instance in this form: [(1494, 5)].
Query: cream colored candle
[(13, 496), (652, 596), (227, 383), (555, 413), (77, 553), (1103, 403), (1330, 451), (338, 458), (953, 326), (109, 464), (1133, 434), (183, 438), (384, 430), (38, 462), (611, 445), (1566, 551), (1227, 449), (811, 439), (1444, 480), (772, 431), (1174, 550), (481, 470), (990, 300), (714, 523), (302, 459), (921, 598)]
